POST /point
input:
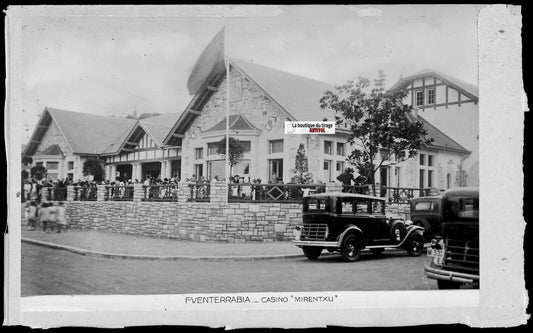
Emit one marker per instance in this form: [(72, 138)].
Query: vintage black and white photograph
[(295, 150)]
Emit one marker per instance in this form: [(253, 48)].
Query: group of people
[(51, 216)]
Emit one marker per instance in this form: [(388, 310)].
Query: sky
[(113, 65)]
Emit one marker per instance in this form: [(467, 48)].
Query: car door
[(361, 217), (380, 225)]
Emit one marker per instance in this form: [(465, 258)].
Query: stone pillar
[(219, 192), (184, 192), (134, 167), (138, 192), (139, 173), (113, 176), (70, 193), (163, 169), (107, 172), (168, 169), (100, 192)]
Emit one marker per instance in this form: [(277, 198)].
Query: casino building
[(185, 143)]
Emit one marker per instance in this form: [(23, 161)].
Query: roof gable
[(84, 133), (237, 123), (441, 140), (52, 150), (466, 88)]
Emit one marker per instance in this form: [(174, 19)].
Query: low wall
[(198, 221)]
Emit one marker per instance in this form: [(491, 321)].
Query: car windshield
[(462, 208), (424, 205)]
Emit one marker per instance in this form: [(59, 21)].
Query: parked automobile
[(455, 251), (349, 222), (427, 213)]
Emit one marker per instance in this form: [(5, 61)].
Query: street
[(55, 272)]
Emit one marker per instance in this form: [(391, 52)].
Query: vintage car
[(427, 213), (455, 251), (349, 223)]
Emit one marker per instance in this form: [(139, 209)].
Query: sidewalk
[(114, 245)]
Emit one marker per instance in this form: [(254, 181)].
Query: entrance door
[(275, 169)]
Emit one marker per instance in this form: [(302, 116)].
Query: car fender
[(348, 230), (410, 230)]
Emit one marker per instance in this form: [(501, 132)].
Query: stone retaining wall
[(198, 221)]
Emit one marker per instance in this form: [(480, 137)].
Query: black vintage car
[(455, 250), (427, 213), (348, 223)]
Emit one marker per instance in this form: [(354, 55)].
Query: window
[(212, 148), (378, 207), (346, 205), (242, 168), (422, 159), (52, 165), (327, 147), (275, 169), (275, 146), (430, 178), (198, 153), (315, 204), (419, 98), (448, 180), (361, 207), (246, 145), (340, 166), (422, 178), (326, 165), (425, 205), (431, 96), (70, 165), (430, 160), (70, 176), (198, 170), (340, 148)]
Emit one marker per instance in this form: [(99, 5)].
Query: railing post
[(100, 192), (219, 192), (138, 192), (70, 193)]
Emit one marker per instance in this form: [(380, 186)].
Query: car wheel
[(312, 252), (351, 248), (376, 252), (415, 244), (445, 284), (397, 233)]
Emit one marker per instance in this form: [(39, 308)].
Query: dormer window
[(419, 98)]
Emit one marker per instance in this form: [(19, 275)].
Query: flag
[(210, 62)]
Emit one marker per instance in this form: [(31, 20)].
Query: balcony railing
[(164, 192), (200, 192), (118, 193), (359, 189), (54, 194), (84, 193), (247, 192)]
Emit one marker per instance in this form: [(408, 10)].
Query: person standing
[(61, 220), (346, 178)]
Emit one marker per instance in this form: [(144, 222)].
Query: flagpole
[(226, 60)]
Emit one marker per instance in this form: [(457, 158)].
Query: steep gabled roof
[(236, 123), (299, 96), (467, 88), (52, 150), (441, 140), (159, 126), (84, 133)]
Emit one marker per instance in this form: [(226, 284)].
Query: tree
[(236, 151), (93, 166), (38, 172), (380, 124), (301, 166)]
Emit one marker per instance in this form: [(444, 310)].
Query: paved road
[(55, 272)]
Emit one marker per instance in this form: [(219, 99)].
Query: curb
[(108, 255)]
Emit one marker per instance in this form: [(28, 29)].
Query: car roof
[(343, 195), (462, 191)]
